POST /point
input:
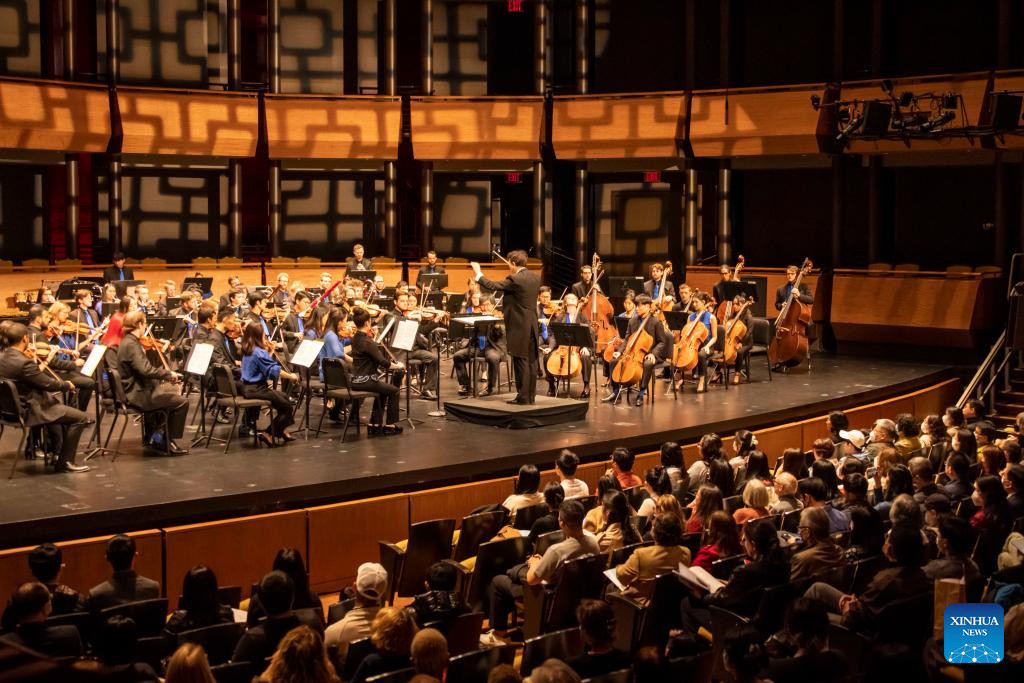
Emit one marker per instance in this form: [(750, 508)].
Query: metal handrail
[(985, 369)]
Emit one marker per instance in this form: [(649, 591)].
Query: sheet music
[(699, 578), (307, 352), (471, 319), (199, 359), (405, 336), (93, 361), (614, 578)]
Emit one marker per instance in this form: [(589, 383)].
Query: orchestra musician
[(747, 341), (299, 323), (652, 287), (359, 261), (719, 289), (490, 347), (368, 360), (84, 314), (63, 424), (118, 271), (151, 389), (520, 289), (582, 288), (147, 305), (571, 315), (337, 343), (259, 368), (404, 305), (234, 283), (662, 346), (66, 368), (545, 309), (702, 312), (108, 296), (786, 291), (471, 304), (280, 295), (629, 305), (684, 304), (432, 268), (187, 311)]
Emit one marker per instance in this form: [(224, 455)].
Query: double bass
[(601, 309), (789, 346), (735, 331), (661, 304), (725, 307)]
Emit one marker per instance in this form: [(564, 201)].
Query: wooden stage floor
[(138, 492)]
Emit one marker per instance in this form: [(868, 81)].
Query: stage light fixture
[(938, 121)]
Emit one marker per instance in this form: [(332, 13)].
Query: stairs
[(1009, 402)]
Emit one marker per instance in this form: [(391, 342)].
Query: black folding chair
[(761, 330), (477, 529), (563, 645), (235, 672), (400, 676), (122, 409), (149, 615), (13, 415), (493, 558), (226, 397), (461, 632), (428, 542), (357, 652), (545, 541), (218, 640), (338, 387), (525, 517), (474, 667)]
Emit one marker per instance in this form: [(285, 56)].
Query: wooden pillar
[(115, 168), (391, 169), (690, 233), (838, 207), (70, 160), (427, 168), (274, 165), (724, 213), (582, 86), (540, 72)]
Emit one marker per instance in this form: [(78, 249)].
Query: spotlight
[(850, 128), (938, 121), (906, 98)]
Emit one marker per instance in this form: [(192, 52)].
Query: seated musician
[(628, 305), (718, 291), (337, 344), (151, 389), (582, 288), (108, 296), (432, 268), (170, 288), (259, 312), (299, 323), (786, 291), (148, 305), (259, 368), (188, 312), (234, 283), (368, 360), (490, 347), (544, 311), (118, 271), (115, 329), (471, 304), (84, 314), (376, 288), (702, 312), (66, 366), (359, 261), (36, 387), (281, 295), (684, 304), (238, 301), (652, 287), (405, 309), (747, 341), (571, 315), (61, 331), (662, 345)]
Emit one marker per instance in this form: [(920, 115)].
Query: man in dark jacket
[(63, 424), (276, 595), (441, 602), (521, 324), (46, 563), (124, 585), (662, 345), (31, 605), (118, 271), (149, 388)]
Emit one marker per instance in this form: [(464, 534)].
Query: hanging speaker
[(1005, 111), (876, 119)]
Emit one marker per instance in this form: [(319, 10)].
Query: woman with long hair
[(898, 481), (708, 501), (794, 462), (596, 516), (656, 483), (710, 448), (618, 529), (723, 540), (300, 658), (743, 444), (527, 491), (199, 605), (721, 475), (259, 368), (992, 521), (189, 664), (826, 471), (964, 442), (756, 469), (391, 633)]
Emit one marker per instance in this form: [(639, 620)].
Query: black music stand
[(121, 286), (203, 284), (199, 373), (100, 448), (67, 289), (167, 328), (618, 285), (454, 304), (621, 326), (437, 281), (361, 274), (408, 374), (108, 309), (458, 329), (676, 320), (574, 336)]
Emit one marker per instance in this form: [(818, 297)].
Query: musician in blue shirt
[(701, 312), (259, 368)]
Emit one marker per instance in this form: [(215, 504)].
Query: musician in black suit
[(359, 261), (432, 268), (31, 605), (490, 347), (582, 288), (63, 424), (298, 324), (234, 282), (652, 287), (66, 369), (786, 291), (368, 360), (659, 350), (520, 309), (149, 388), (404, 305), (570, 315), (118, 271), (84, 314)]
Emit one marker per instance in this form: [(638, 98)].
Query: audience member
[(289, 561), (638, 572), (992, 521), (813, 495), (744, 656), (600, 656), (866, 534), (504, 673), (189, 664), (656, 483), (125, 585), (820, 551), (526, 495), (722, 540), (595, 519), (31, 607), (812, 661), (300, 656), (116, 646), (956, 541), (755, 501), (768, 566), (785, 489), (794, 463), (392, 634), (672, 461), (883, 435), (922, 475), (1013, 482), (721, 475), (371, 583), (45, 562), (554, 494), (618, 529), (709, 500), (429, 653), (441, 603), (622, 468), (553, 671), (755, 469), (710, 448), (909, 433), (199, 605), (277, 593), (565, 466)]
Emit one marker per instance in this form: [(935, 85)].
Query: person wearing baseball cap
[(370, 586), (853, 444)]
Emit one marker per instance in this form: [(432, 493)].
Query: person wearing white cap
[(853, 444), (370, 586)]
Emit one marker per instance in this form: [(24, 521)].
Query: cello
[(686, 350), (789, 345), (629, 369), (725, 307), (735, 331)]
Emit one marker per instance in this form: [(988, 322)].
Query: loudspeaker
[(1005, 111), (876, 118)]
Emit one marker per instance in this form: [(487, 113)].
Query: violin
[(552, 308), (790, 345), (151, 343)]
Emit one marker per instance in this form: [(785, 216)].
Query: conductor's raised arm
[(505, 285)]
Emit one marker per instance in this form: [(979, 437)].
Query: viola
[(790, 345)]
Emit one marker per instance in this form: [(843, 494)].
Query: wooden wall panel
[(934, 400), (479, 129), (775, 440), (85, 560), (864, 417), (344, 535), (192, 123), (765, 122), (458, 501), (319, 127), (971, 86), (1012, 81), (903, 309), (43, 115), (810, 430), (239, 550), (645, 461), (617, 126), (690, 454), (591, 472)]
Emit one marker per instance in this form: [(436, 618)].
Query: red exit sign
[(514, 178), (652, 176), (515, 5)]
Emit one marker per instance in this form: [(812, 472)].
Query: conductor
[(521, 324)]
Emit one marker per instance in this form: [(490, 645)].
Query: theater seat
[(429, 542)]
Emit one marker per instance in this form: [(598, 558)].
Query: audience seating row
[(336, 537)]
